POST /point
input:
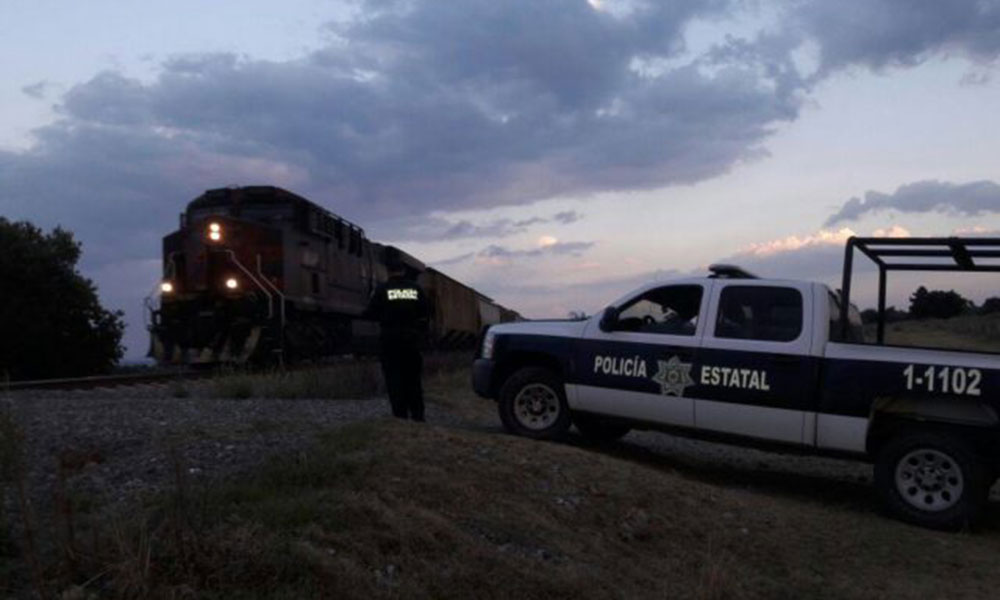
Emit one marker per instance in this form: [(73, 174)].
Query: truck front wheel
[(532, 403), (931, 479)]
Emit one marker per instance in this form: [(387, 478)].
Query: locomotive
[(259, 273)]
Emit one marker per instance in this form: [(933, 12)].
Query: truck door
[(755, 376), (642, 368)]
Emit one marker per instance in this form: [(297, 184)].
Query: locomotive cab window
[(671, 310), (764, 313)]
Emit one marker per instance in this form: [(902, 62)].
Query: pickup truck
[(779, 363)]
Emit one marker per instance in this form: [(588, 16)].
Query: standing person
[(400, 306)]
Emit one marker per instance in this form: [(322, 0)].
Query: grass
[(355, 379), (388, 509), (346, 380), (969, 332)]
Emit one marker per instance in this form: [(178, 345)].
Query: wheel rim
[(536, 406), (929, 480)]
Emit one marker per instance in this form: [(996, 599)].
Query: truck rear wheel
[(532, 403), (931, 479)]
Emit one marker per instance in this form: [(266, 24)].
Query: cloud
[(816, 256), (967, 199), (547, 246), (414, 107), (38, 90), (557, 300), (887, 33), (441, 228), (820, 239), (497, 255), (567, 217), (820, 257), (977, 231), (421, 107)]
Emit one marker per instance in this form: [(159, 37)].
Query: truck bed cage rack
[(915, 254)]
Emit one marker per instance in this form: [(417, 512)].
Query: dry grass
[(354, 379), (390, 509), (970, 332), (346, 380)]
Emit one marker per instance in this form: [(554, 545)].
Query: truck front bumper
[(482, 377)]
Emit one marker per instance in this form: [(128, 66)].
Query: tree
[(51, 322), (937, 304), (990, 306)]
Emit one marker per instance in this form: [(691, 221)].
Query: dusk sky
[(553, 154)]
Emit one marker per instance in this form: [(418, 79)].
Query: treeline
[(934, 304), (52, 323)]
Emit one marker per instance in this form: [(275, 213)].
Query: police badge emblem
[(673, 376)]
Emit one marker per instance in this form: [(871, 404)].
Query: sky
[(551, 154)]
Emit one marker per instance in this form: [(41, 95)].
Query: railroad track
[(112, 381), (105, 381)]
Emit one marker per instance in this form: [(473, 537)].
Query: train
[(259, 273)]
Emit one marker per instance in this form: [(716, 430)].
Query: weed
[(234, 387), (12, 470), (179, 390), (346, 380)]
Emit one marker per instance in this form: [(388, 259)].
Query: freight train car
[(256, 273)]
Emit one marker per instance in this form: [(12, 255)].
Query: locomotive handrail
[(147, 302), (281, 296), (281, 312), (246, 271)]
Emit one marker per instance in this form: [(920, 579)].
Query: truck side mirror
[(608, 319)]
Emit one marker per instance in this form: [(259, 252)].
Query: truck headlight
[(488, 340)]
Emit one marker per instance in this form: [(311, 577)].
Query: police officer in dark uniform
[(400, 306)]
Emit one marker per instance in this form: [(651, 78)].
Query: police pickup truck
[(781, 363)]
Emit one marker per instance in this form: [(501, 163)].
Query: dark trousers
[(402, 367)]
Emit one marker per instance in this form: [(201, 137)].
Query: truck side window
[(670, 310), (855, 329), (765, 313)]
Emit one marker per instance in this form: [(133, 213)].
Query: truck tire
[(931, 479), (532, 403), (598, 430)]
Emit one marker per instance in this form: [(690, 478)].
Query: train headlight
[(215, 232), (232, 283), (488, 339), (166, 287)]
